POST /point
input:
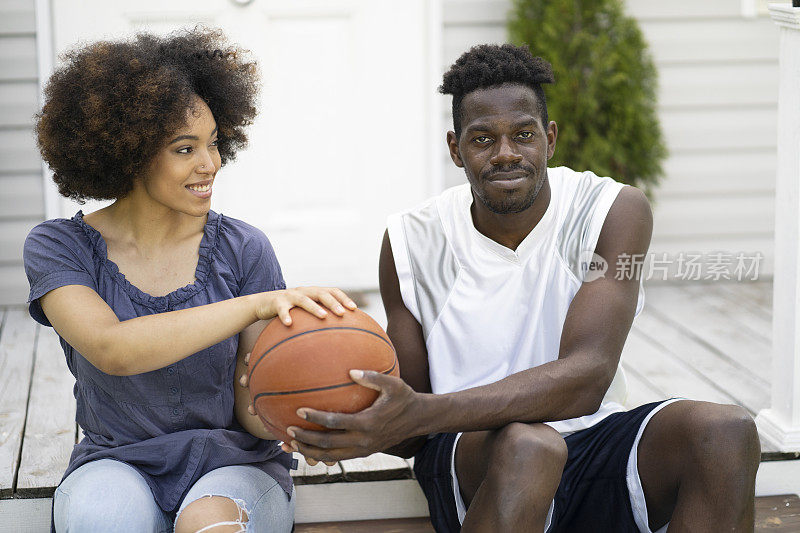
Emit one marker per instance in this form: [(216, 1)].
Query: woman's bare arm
[(151, 342)]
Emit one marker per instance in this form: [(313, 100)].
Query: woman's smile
[(201, 189)]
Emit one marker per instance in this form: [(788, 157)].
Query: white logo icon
[(592, 266)]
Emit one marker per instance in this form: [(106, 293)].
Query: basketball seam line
[(328, 387), (250, 374)]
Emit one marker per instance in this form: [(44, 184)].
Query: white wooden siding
[(21, 200), (718, 77)]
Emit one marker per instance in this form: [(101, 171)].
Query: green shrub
[(605, 92)]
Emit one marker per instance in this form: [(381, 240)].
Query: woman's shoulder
[(60, 233), (249, 254), (236, 234)]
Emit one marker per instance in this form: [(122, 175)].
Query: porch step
[(773, 514), (777, 513), (402, 525)]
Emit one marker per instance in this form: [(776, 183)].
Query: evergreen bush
[(605, 92)]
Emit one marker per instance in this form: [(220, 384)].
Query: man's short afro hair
[(490, 65), (112, 106)]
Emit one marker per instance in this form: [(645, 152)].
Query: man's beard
[(509, 205)]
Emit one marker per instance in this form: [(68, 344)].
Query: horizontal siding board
[(718, 84), (17, 58), (18, 153), (702, 41), (12, 238), (714, 214), (698, 173), (17, 17), (13, 284), (18, 103), (752, 128), (683, 9), (21, 196)]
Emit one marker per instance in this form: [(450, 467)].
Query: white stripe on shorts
[(461, 508), (634, 481)]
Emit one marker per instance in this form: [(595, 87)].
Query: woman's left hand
[(243, 382)]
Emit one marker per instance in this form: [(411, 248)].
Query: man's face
[(503, 147)]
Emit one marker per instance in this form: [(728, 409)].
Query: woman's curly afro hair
[(111, 106), (490, 65)]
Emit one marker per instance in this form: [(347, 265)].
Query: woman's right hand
[(278, 303)]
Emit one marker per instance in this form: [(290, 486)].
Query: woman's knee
[(237, 493), (213, 512), (105, 495)]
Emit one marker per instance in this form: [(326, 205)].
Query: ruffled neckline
[(180, 295)]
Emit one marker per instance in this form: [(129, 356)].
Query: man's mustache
[(517, 167)]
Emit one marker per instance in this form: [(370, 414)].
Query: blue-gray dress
[(177, 423)]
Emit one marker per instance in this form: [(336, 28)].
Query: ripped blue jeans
[(108, 495)]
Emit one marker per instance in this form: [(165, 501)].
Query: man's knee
[(722, 438), (522, 447), (715, 429)]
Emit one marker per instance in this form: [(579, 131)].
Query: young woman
[(156, 298)]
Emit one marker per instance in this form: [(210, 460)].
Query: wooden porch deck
[(701, 341)]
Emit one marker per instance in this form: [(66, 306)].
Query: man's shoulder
[(435, 214), (577, 184), (451, 196)]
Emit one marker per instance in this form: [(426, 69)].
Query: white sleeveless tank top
[(487, 311)]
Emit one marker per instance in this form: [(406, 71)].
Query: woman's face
[(181, 175)]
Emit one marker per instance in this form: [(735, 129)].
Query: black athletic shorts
[(593, 495)]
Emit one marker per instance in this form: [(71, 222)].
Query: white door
[(343, 137)]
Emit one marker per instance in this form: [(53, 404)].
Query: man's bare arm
[(406, 336), (593, 335)]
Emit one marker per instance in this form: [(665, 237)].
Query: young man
[(490, 310)]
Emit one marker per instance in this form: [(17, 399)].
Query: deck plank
[(305, 474), (398, 525), (17, 341), (778, 513), (705, 325), (50, 429), (731, 306), (722, 373), (673, 378), (640, 391), (756, 296), (376, 467)]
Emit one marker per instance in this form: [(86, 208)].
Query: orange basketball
[(308, 364)]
